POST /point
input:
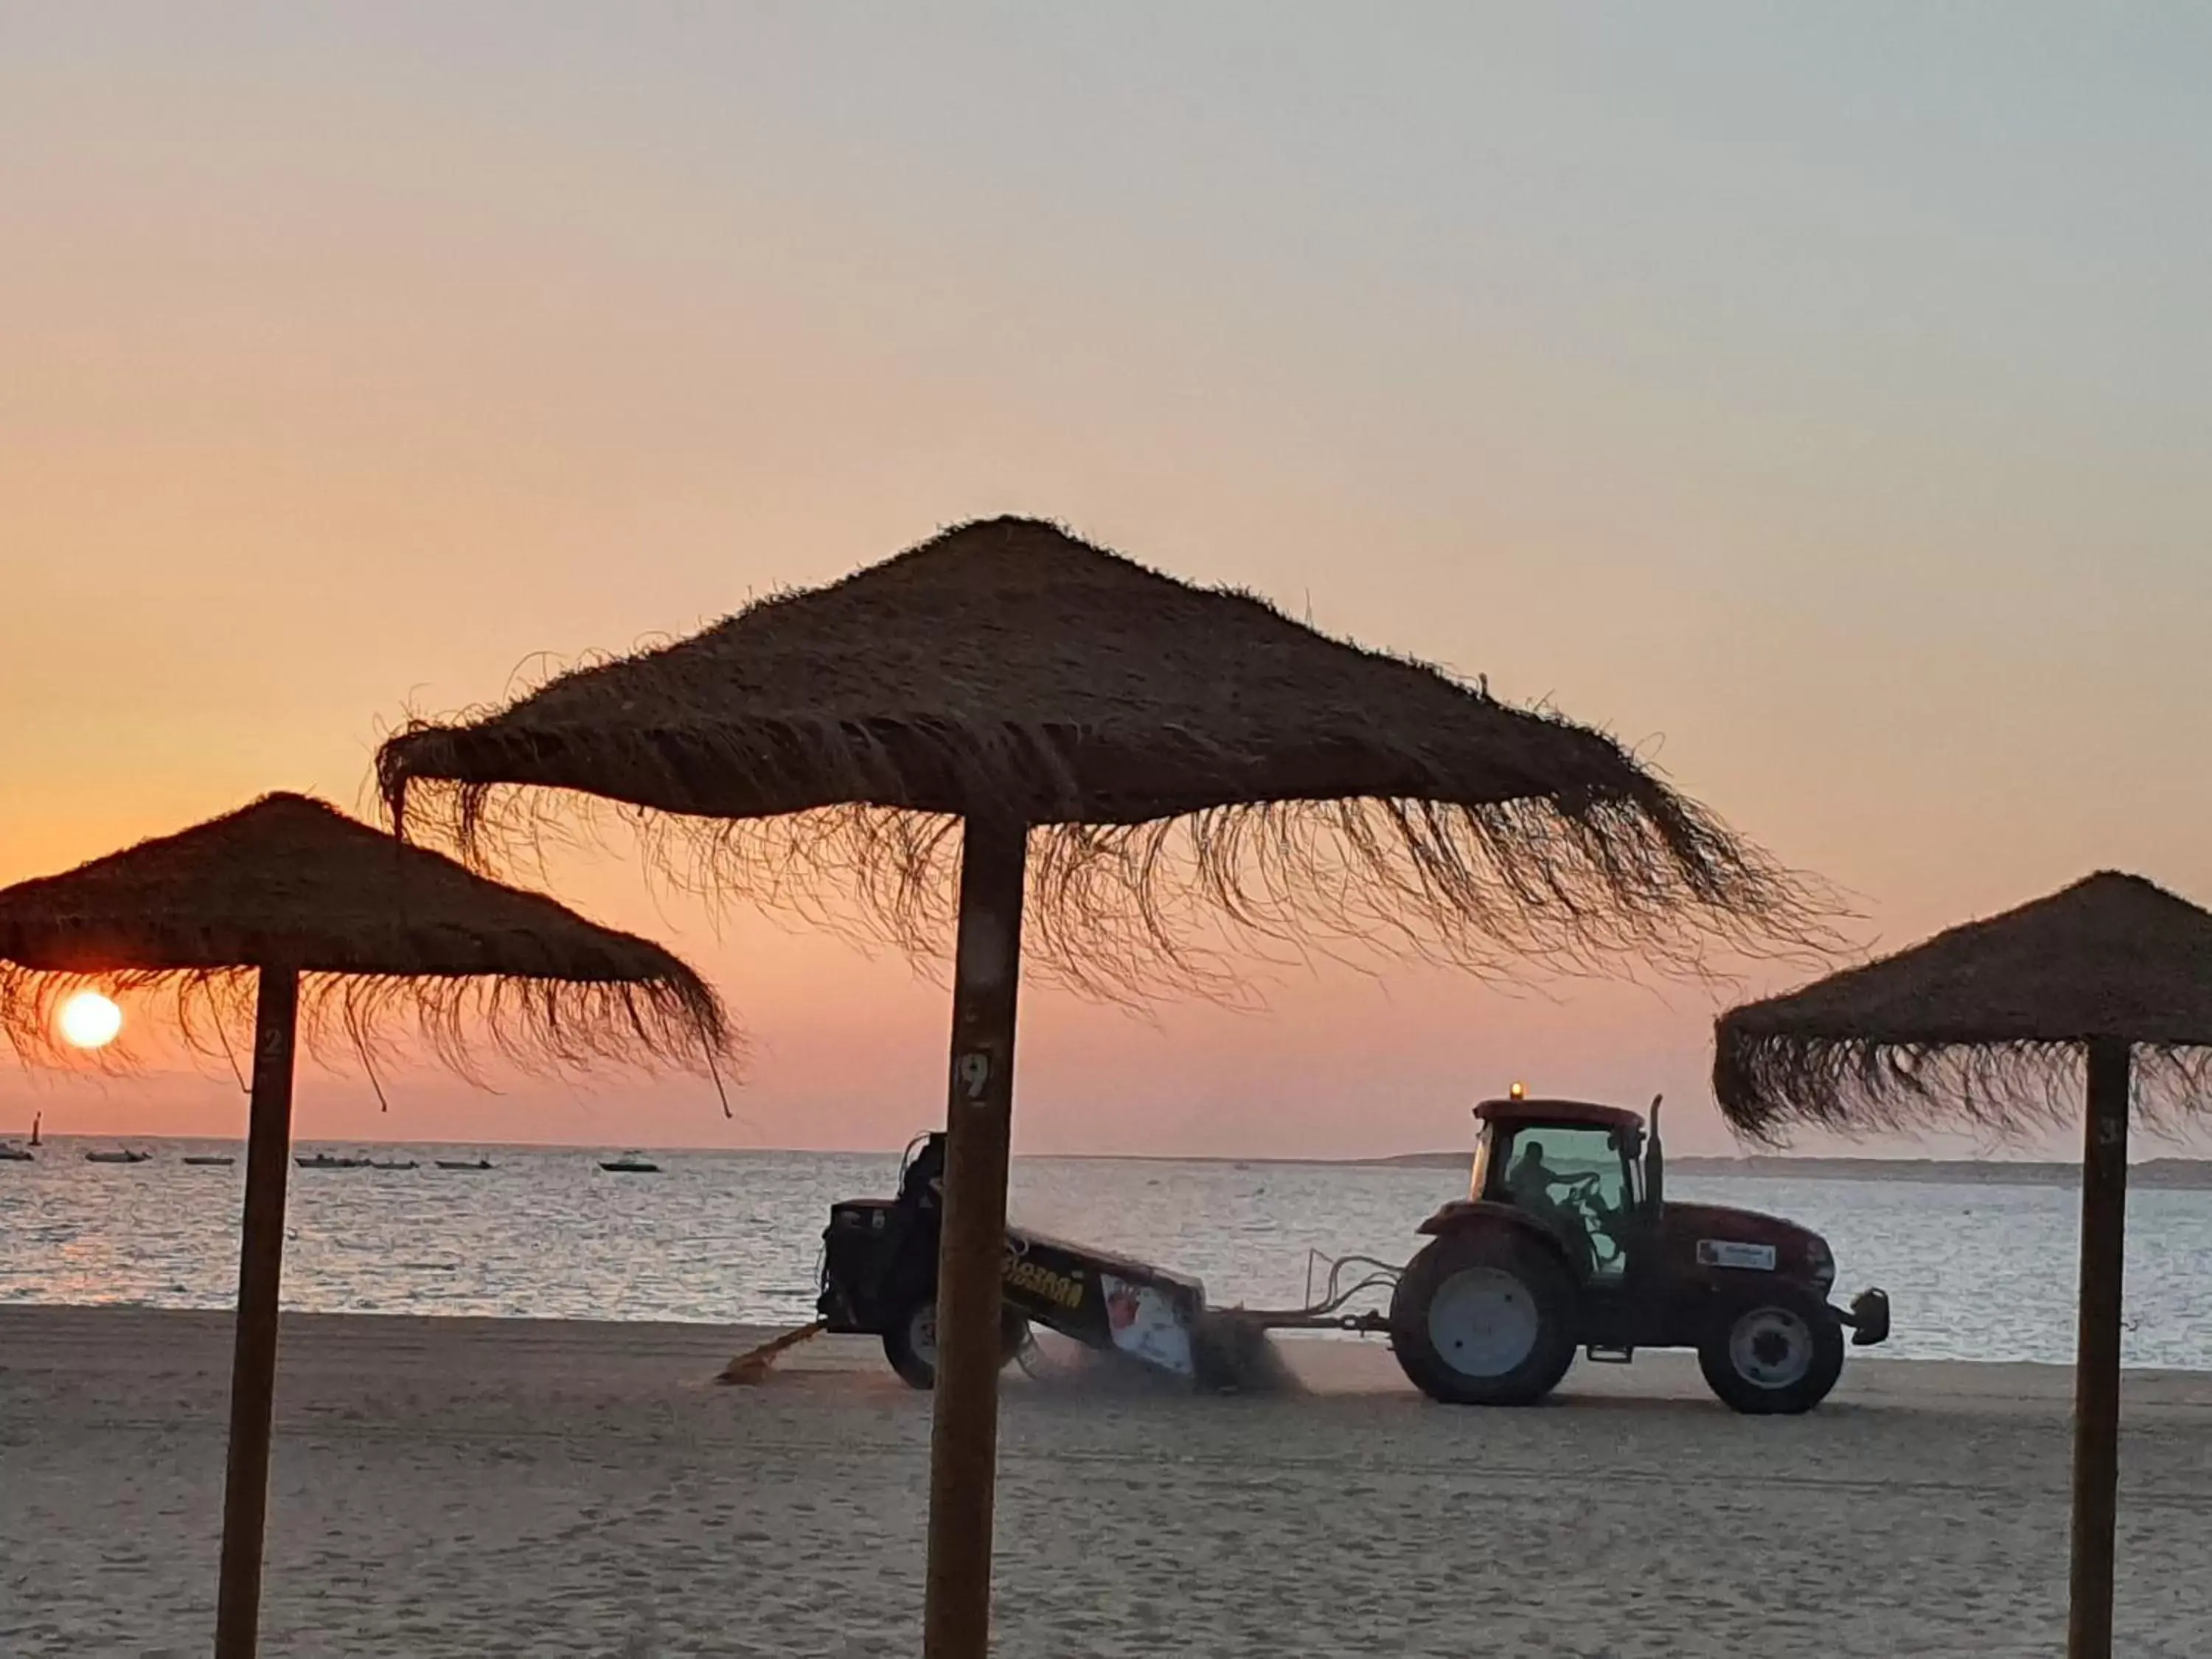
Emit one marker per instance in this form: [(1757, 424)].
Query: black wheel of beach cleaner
[(1778, 1351), (1485, 1318), (911, 1345)]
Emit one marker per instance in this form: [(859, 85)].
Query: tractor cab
[(1588, 1174)]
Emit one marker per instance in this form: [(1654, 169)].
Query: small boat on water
[(462, 1163), (629, 1163), (324, 1161), (120, 1155), (11, 1153), (393, 1163), (211, 1160)]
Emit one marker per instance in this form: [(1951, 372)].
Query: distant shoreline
[(2182, 1174)]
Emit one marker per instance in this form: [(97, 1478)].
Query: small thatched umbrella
[(1990, 1023), (316, 917), (1144, 754)]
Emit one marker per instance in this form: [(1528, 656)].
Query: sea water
[(1974, 1272)]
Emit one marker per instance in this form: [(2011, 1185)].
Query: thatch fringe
[(1202, 773), (1768, 1086), (536, 1026), (1985, 1023), (1125, 911), (384, 935)]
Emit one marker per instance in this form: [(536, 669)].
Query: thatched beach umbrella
[(327, 922), (1149, 760), (1994, 1023)]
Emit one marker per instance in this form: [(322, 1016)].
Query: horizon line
[(1437, 1156)]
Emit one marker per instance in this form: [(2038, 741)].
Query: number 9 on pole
[(974, 1071)]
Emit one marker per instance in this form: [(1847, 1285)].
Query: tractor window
[(1571, 1153), (1576, 1175)]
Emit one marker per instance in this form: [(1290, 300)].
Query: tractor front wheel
[(1777, 1352), (911, 1344), (1484, 1318)]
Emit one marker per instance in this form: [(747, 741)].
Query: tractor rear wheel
[(1777, 1353), (1484, 1318), (911, 1344)]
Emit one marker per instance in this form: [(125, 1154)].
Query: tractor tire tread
[(1741, 1394), (919, 1373), (1548, 1283)]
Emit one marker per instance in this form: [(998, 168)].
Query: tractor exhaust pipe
[(1654, 1162)]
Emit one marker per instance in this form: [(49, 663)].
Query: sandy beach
[(451, 1487)]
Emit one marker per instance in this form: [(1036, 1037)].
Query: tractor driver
[(1530, 1180)]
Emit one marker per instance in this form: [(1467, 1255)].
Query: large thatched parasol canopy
[(1982, 1024), (375, 925), (1166, 743)]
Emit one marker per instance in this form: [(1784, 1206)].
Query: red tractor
[(1566, 1242)]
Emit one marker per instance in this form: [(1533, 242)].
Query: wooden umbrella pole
[(965, 1434), (253, 1361), (2097, 1350)]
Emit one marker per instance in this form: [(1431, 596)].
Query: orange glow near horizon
[(1853, 476)]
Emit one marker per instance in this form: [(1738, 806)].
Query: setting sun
[(89, 1020)]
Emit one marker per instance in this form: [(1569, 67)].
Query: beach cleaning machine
[(1565, 1244), (879, 1278)]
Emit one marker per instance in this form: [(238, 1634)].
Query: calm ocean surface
[(1975, 1272)]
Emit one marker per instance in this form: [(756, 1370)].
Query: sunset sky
[(1820, 399)]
